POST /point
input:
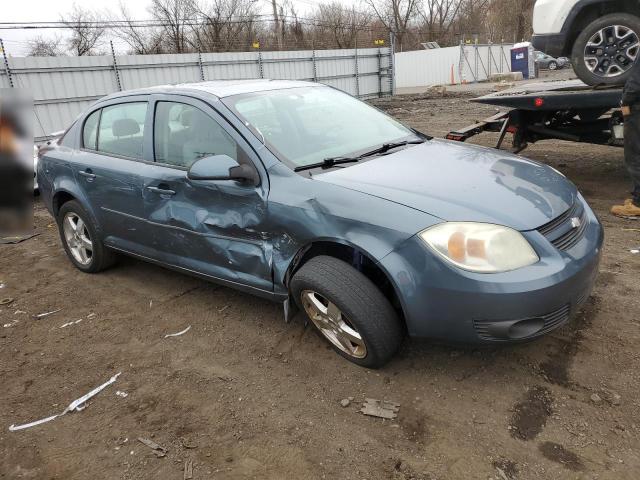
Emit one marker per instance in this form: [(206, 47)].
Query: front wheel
[(348, 311), (553, 66), (606, 49)]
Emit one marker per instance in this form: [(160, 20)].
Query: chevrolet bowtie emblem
[(575, 222)]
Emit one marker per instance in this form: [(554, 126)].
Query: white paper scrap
[(179, 333), (76, 405)]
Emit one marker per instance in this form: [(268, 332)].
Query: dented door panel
[(216, 228)]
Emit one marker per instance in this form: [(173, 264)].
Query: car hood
[(465, 183)]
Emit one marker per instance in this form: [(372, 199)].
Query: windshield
[(307, 125)]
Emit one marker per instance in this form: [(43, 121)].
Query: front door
[(215, 228)]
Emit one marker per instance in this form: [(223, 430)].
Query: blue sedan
[(304, 195)]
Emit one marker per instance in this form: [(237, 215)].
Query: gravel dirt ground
[(244, 395)]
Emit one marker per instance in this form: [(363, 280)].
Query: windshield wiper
[(328, 163), (333, 161)]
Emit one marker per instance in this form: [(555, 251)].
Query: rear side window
[(90, 131), (183, 134), (121, 129)]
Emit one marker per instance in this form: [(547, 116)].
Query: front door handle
[(88, 174), (161, 191)]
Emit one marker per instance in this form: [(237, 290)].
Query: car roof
[(218, 88)]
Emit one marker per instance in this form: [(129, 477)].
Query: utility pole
[(276, 23)]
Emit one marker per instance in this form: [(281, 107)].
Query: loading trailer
[(560, 110)]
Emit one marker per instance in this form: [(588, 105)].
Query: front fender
[(304, 211)]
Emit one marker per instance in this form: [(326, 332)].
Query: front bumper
[(443, 302), (552, 44)]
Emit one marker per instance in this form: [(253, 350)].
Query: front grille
[(562, 232), (551, 321)]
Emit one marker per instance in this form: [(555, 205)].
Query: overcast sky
[(16, 41)]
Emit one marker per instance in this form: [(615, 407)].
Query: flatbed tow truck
[(562, 110)]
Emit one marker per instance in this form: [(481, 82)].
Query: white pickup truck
[(602, 37)]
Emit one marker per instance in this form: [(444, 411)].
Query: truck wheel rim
[(78, 239), (333, 324), (610, 52)]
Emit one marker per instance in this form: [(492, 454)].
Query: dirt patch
[(557, 453), (509, 468), (531, 414), (556, 368)]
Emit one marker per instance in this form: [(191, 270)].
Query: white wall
[(442, 66)]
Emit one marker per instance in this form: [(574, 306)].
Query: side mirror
[(222, 167)]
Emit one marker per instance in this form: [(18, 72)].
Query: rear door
[(216, 228), (107, 168)]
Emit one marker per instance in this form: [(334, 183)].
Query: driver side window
[(184, 134)]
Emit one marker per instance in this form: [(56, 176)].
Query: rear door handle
[(161, 191), (88, 174)]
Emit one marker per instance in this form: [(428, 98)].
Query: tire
[(553, 66), (100, 257), (618, 71), (362, 307)]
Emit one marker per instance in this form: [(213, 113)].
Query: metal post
[(466, 58), (260, 65), (492, 59), (115, 66), (200, 63), (489, 60), (392, 63), (480, 62), (355, 56), (379, 72), (506, 59), (6, 64), (461, 63), (475, 62), (313, 62)]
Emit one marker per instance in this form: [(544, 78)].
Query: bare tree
[(438, 17), (45, 47), (340, 22), (510, 19), (86, 32), (175, 17), (226, 24), (395, 15), (141, 41)]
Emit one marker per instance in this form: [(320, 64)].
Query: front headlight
[(480, 247)]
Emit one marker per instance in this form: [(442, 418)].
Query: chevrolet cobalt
[(304, 195)]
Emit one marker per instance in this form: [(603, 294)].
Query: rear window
[(90, 131), (121, 129)]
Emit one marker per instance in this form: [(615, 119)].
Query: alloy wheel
[(333, 324), (611, 51), (78, 238)]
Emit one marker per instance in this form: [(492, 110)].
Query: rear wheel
[(348, 311), (80, 239), (553, 66), (606, 49)]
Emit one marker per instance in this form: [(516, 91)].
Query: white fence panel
[(427, 67), (63, 87), (449, 65)]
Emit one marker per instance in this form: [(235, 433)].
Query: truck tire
[(348, 311), (606, 49)]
